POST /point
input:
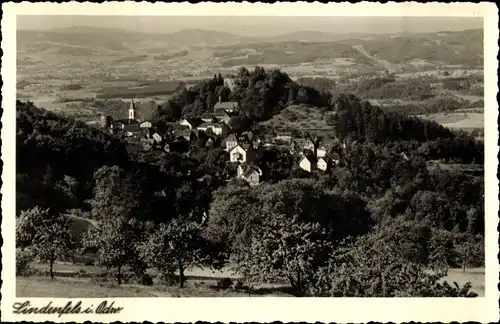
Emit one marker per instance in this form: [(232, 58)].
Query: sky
[(252, 25)]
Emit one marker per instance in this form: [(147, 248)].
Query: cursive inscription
[(69, 308)]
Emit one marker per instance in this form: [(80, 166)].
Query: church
[(130, 127)]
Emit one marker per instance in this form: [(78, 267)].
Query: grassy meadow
[(200, 283)]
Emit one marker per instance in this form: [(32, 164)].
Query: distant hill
[(386, 51), (315, 36), (93, 36)]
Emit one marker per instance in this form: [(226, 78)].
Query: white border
[(263, 309)]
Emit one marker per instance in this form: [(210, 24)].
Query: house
[(186, 134), (242, 153), (321, 152), (324, 163), (231, 142), (145, 124), (220, 129), (308, 163), (207, 117), (250, 173), (132, 129), (283, 136), (117, 125), (222, 116), (192, 123), (302, 144), (229, 106), (157, 137)]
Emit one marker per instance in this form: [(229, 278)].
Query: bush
[(238, 285), (224, 283), (167, 279), (146, 280), (23, 260)]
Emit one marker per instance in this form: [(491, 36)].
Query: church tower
[(131, 111)]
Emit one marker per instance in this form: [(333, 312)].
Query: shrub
[(23, 260), (165, 278), (146, 280), (224, 283), (238, 285)]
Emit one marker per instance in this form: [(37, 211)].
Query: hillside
[(300, 117), (464, 47)]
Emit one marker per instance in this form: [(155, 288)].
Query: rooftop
[(226, 105)]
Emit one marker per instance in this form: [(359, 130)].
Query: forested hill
[(262, 94), (55, 151)]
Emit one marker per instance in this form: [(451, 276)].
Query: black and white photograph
[(250, 156)]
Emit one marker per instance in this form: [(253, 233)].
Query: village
[(245, 149)]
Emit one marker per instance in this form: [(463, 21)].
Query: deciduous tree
[(49, 236), (116, 241), (180, 245)]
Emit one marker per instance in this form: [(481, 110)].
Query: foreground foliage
[(179, 245), (48, 236)]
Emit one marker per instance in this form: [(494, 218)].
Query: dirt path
[(385, 64)]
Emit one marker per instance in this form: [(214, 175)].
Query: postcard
[(172, 162)]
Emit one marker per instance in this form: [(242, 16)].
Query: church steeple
[(131, 111)]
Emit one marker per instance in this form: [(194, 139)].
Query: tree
[(409, 239), (470, 250), (229, 221), (116, 241), (365, 269), (284, 247), (442, 254), (49, 236), (180, 245), (116, 194)]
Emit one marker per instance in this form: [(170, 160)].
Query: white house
[(308, 164), (324, 163), (229, 106), (145, 124), (207, 117), (283, 136), (217, 128), (157, 137), (192, 123), (231, 142), (321, 152), (242, 153), (222, 116)]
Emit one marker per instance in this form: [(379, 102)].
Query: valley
[(65, 69)]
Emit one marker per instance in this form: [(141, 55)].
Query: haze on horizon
[(252, 25)]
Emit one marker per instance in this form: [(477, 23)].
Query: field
[(74, 288), (458, 120), (201, 283), (473, 275)]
